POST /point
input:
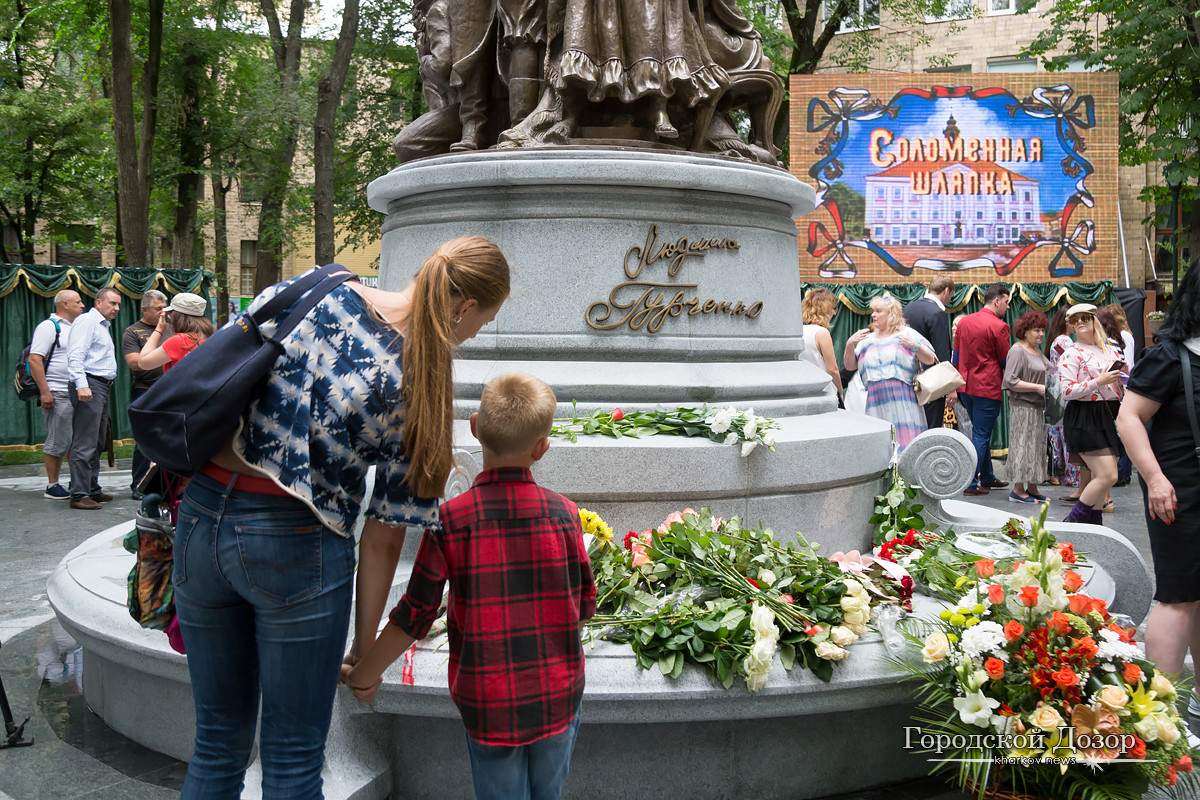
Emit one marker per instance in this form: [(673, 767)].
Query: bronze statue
[(649, 73)]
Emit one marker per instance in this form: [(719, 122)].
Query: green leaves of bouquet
[(724, 425)]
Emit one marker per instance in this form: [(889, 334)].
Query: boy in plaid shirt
[(520, 587)]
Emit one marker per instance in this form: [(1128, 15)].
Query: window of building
[(896, 214), (1012, 64), (77, 246), (1016, 232), (1000, 215), (878, 231), (995, 7), (946, 10), (879, 214), (935, 233), (880, 192), (1028, 198), (1028, 216), (956, 68), (958, 215), (912, 234), (1014, 215), (937, 213), (864, 16), (248, 262), (897, 193), (978, 231), (913, 214), (895, 233), (978, 215)]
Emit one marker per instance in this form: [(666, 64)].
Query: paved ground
[(75, 754)]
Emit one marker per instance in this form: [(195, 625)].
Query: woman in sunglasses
[(1090, 373)]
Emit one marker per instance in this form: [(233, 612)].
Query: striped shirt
[(520, 585), (331, 408)]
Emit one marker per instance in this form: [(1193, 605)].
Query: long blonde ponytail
[(468, 268)]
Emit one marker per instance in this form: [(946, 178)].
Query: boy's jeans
[(528, 772)]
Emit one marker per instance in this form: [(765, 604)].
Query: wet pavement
[(75, 755)]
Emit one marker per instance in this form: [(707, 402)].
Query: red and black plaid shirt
[(520, 585)]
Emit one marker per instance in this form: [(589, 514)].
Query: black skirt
[(1091, 425)]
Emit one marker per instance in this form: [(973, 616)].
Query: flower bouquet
[(707, 591), (724, 425), (1030, 689)]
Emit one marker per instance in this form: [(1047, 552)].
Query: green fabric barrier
[(27, 297), (854, 312)]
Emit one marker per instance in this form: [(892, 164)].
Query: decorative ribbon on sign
[(1052, 103)]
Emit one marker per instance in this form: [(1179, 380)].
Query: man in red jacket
[(982, 342)]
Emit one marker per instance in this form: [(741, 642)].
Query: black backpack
[(23, 382)]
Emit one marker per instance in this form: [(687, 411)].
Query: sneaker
[(102, 497), (55, 491), (1016, 498), (86, 503)]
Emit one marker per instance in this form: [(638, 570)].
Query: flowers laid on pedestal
[(1028, 687), (724, 425)]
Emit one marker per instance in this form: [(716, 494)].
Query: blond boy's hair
[(515, 411)]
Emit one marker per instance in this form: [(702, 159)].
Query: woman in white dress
[(817, 309)]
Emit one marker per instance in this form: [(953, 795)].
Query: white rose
[(856, 620), (936, 648), (766, 578), (842, 636), (1161, 686), (769, 439), (857, 627), (853, 602), (831, 652), (1147, 728), (763, 650), (854, 588), (732, 438), (748, 447), (762, 621), (1168, 731), (721, 420)]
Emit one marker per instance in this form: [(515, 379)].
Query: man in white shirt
[(92, 364), (48, 368)]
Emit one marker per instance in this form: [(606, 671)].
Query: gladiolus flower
[(994, 667), (1013, 630), (985, 567), (1133, 673), (1072, 581), (1059, 623), (1029, 596), (1066, 551), (995, 594), (617, 414), (1065, 678)]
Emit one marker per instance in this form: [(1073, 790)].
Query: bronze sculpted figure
[(650, 73)]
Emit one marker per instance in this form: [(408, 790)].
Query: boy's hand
[(365, 694)]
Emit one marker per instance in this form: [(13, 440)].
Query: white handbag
[(938, 381)]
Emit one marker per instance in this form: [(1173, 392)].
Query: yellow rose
[(1113, 698), (1046, 718), (936, 648), (1168, 731), (1162, 687)]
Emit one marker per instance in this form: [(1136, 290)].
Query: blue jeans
[(262, 591), (527, 772), (983, 412)]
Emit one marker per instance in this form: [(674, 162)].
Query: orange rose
[(1065, 678), (1066, 551), (1184, 764), (1079, 604), (995, 594), (1133, 673), (1138, 751), (994, 667), (1072, 581), (1087, 647), (1059, 623), (1029, 596), (639, 554), (1013, 630), (985, 568)]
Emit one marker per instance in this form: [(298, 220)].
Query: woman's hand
[(365, 694), (909, 342), (161, 325), (1106, 378), (1160, 499), (859, 335)]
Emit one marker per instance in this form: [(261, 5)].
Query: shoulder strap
[(326, 285), (1185, 364), (273, 307), (53, 347)]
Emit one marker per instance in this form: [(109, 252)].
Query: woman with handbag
[(1025, 381), (1090, 373), (1062, 471), (886, 355), (1162, 442), (264, 545)]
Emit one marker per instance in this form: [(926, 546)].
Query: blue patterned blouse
[(330, 409)]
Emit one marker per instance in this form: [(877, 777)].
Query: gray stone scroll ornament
[(658, 74), (462, 474), (942, 462)]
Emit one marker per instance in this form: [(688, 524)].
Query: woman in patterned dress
[(1090, 373), (1025, 381), (264, 545), (886, 355)]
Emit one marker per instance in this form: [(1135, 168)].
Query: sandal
[(1069, 500), (1108, 507)]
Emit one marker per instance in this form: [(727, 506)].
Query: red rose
[(994, 668), (1133, 673), (1013, 630), (787, 598), (618, 415), (995, 594), (753, 582), (1184, 764), (1072, 581), (1029, 596), (985, 567), (1066, 551), (1065, 678)]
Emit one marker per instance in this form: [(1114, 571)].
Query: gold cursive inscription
[(644, 309), (675, 251)]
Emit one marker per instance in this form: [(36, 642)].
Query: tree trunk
[(133, 157), (220, 188), (809, 46), (329, 94), (191, 159)]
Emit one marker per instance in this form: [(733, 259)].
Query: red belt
[(243, 483)]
